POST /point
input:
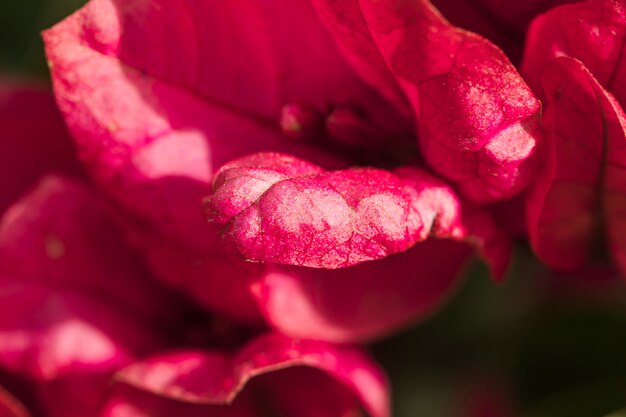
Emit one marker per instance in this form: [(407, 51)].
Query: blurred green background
[(527, 346)]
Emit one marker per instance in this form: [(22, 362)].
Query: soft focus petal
[(478, 120), (72, 298), (11, 407), (215, 378), (577, 203), (593, 32), (277, 208), (152, 132), (361, 302), (64, 235), (45, 333), (34, 140)]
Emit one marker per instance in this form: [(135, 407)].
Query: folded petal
[(277, 208), (215, 378), (362, 302), (478, 120), (34, 140), (575, 209), (594, 32)]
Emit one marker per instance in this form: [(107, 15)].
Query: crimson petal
[(277, 208), (594, 32), (214, 378), (579, 197)]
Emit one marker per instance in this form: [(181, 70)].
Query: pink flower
[(157, 109), (86, 331)]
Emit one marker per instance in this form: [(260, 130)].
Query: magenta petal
[(214, 378), (10, 406), (593, 32), (579, 197), (478, 120), (30, 149), (63, 235), (298, 214), (362, 302), (45, 333)]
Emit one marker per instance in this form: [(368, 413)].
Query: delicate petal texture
[(478, 120), (593, 32), (277, 208), (29, 149), (153, 132), (215, 378), (578, 200), (362, 302), (10, 407), (66, 283)]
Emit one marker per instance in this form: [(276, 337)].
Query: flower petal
[(593, 32), (30, 148), (478, 120), (363, 302), (578, 200), (277, 208), (215, 378)]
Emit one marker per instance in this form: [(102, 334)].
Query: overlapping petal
[(277, 208), (478, 121), (278, 368), (73, 299), (576, 208), (594, 32)]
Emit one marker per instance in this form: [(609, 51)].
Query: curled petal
[(214, 378), (594, 32), (577, 203), (477, 118), (327, 219)]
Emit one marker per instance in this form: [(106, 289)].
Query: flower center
[(347, 131)]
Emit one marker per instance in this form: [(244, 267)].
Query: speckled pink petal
[(478, 120), (577, 205), (593, 32), (156, 108), (29, 148), (299, 214), (216, 378), (10, 406), (363, 302)]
